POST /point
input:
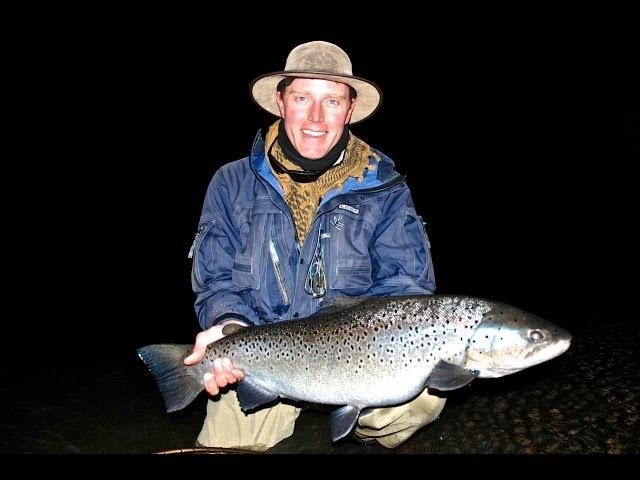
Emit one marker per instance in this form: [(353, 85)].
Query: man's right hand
[(224, 372)]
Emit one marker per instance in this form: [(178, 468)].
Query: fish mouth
[(556, 349), (563, 346), (564, 336)]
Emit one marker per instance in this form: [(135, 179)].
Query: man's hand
[(224, 372)]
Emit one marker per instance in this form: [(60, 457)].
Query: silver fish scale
[(377, 353)]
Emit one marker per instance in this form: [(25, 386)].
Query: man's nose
[(316, 113)]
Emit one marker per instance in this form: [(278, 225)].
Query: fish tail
[(179, 384)]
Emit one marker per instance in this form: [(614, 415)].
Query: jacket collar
[(383, 174)]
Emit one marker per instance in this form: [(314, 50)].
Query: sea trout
[(366, 352)]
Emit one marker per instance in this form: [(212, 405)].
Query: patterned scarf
[(303, 198)]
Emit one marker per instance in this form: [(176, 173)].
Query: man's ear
[(350, 112), (279, 102)]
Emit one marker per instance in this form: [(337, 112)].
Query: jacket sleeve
[(400, 251), (213, 254)]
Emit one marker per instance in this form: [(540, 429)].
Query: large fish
[(366, 352)]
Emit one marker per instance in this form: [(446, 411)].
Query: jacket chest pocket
[(249, 258), (350, 269)]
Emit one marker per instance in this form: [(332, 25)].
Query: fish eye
[(536, 335)]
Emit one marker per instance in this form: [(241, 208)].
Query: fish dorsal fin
[(339, 303), (447, 376), (342, 421), (231, 328), (251, 395)]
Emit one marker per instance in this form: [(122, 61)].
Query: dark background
[(518, 144)]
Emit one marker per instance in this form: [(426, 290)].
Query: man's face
[(314, 113)]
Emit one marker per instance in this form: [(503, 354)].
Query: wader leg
[(392, 426), (227, 426)]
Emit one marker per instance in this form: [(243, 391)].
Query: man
[(312, 214)]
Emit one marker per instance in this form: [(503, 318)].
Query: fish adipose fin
[(178, 383), (251, 395), (339, 303), (447, 376), (342, 421)]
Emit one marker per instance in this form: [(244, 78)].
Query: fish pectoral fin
[(342, 421), (251, 395), (447, 376)]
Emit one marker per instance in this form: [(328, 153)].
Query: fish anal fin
[(343, 420), (447, 376), (251, 395)]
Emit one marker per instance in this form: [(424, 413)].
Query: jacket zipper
[(194, 248), (279, 276)]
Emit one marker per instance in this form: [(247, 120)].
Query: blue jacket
[(246, 263)]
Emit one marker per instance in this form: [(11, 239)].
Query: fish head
[(508, 340)]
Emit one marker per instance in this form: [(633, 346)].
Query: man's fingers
[(203, 339), (195, 356), (207, 337), (224, 373), (210, 384), (226, 364), (217, 366)]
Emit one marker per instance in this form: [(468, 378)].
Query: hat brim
[(263, 91)]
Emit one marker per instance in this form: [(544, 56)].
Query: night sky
[(518, 145)]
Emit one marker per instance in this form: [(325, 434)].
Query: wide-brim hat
[(321, 60)]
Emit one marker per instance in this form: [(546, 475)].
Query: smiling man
[(315, 113), (313, 214)]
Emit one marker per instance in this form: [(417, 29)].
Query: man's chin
[(312, 150), (312, 155)]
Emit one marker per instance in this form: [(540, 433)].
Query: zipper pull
[(195, 241)]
